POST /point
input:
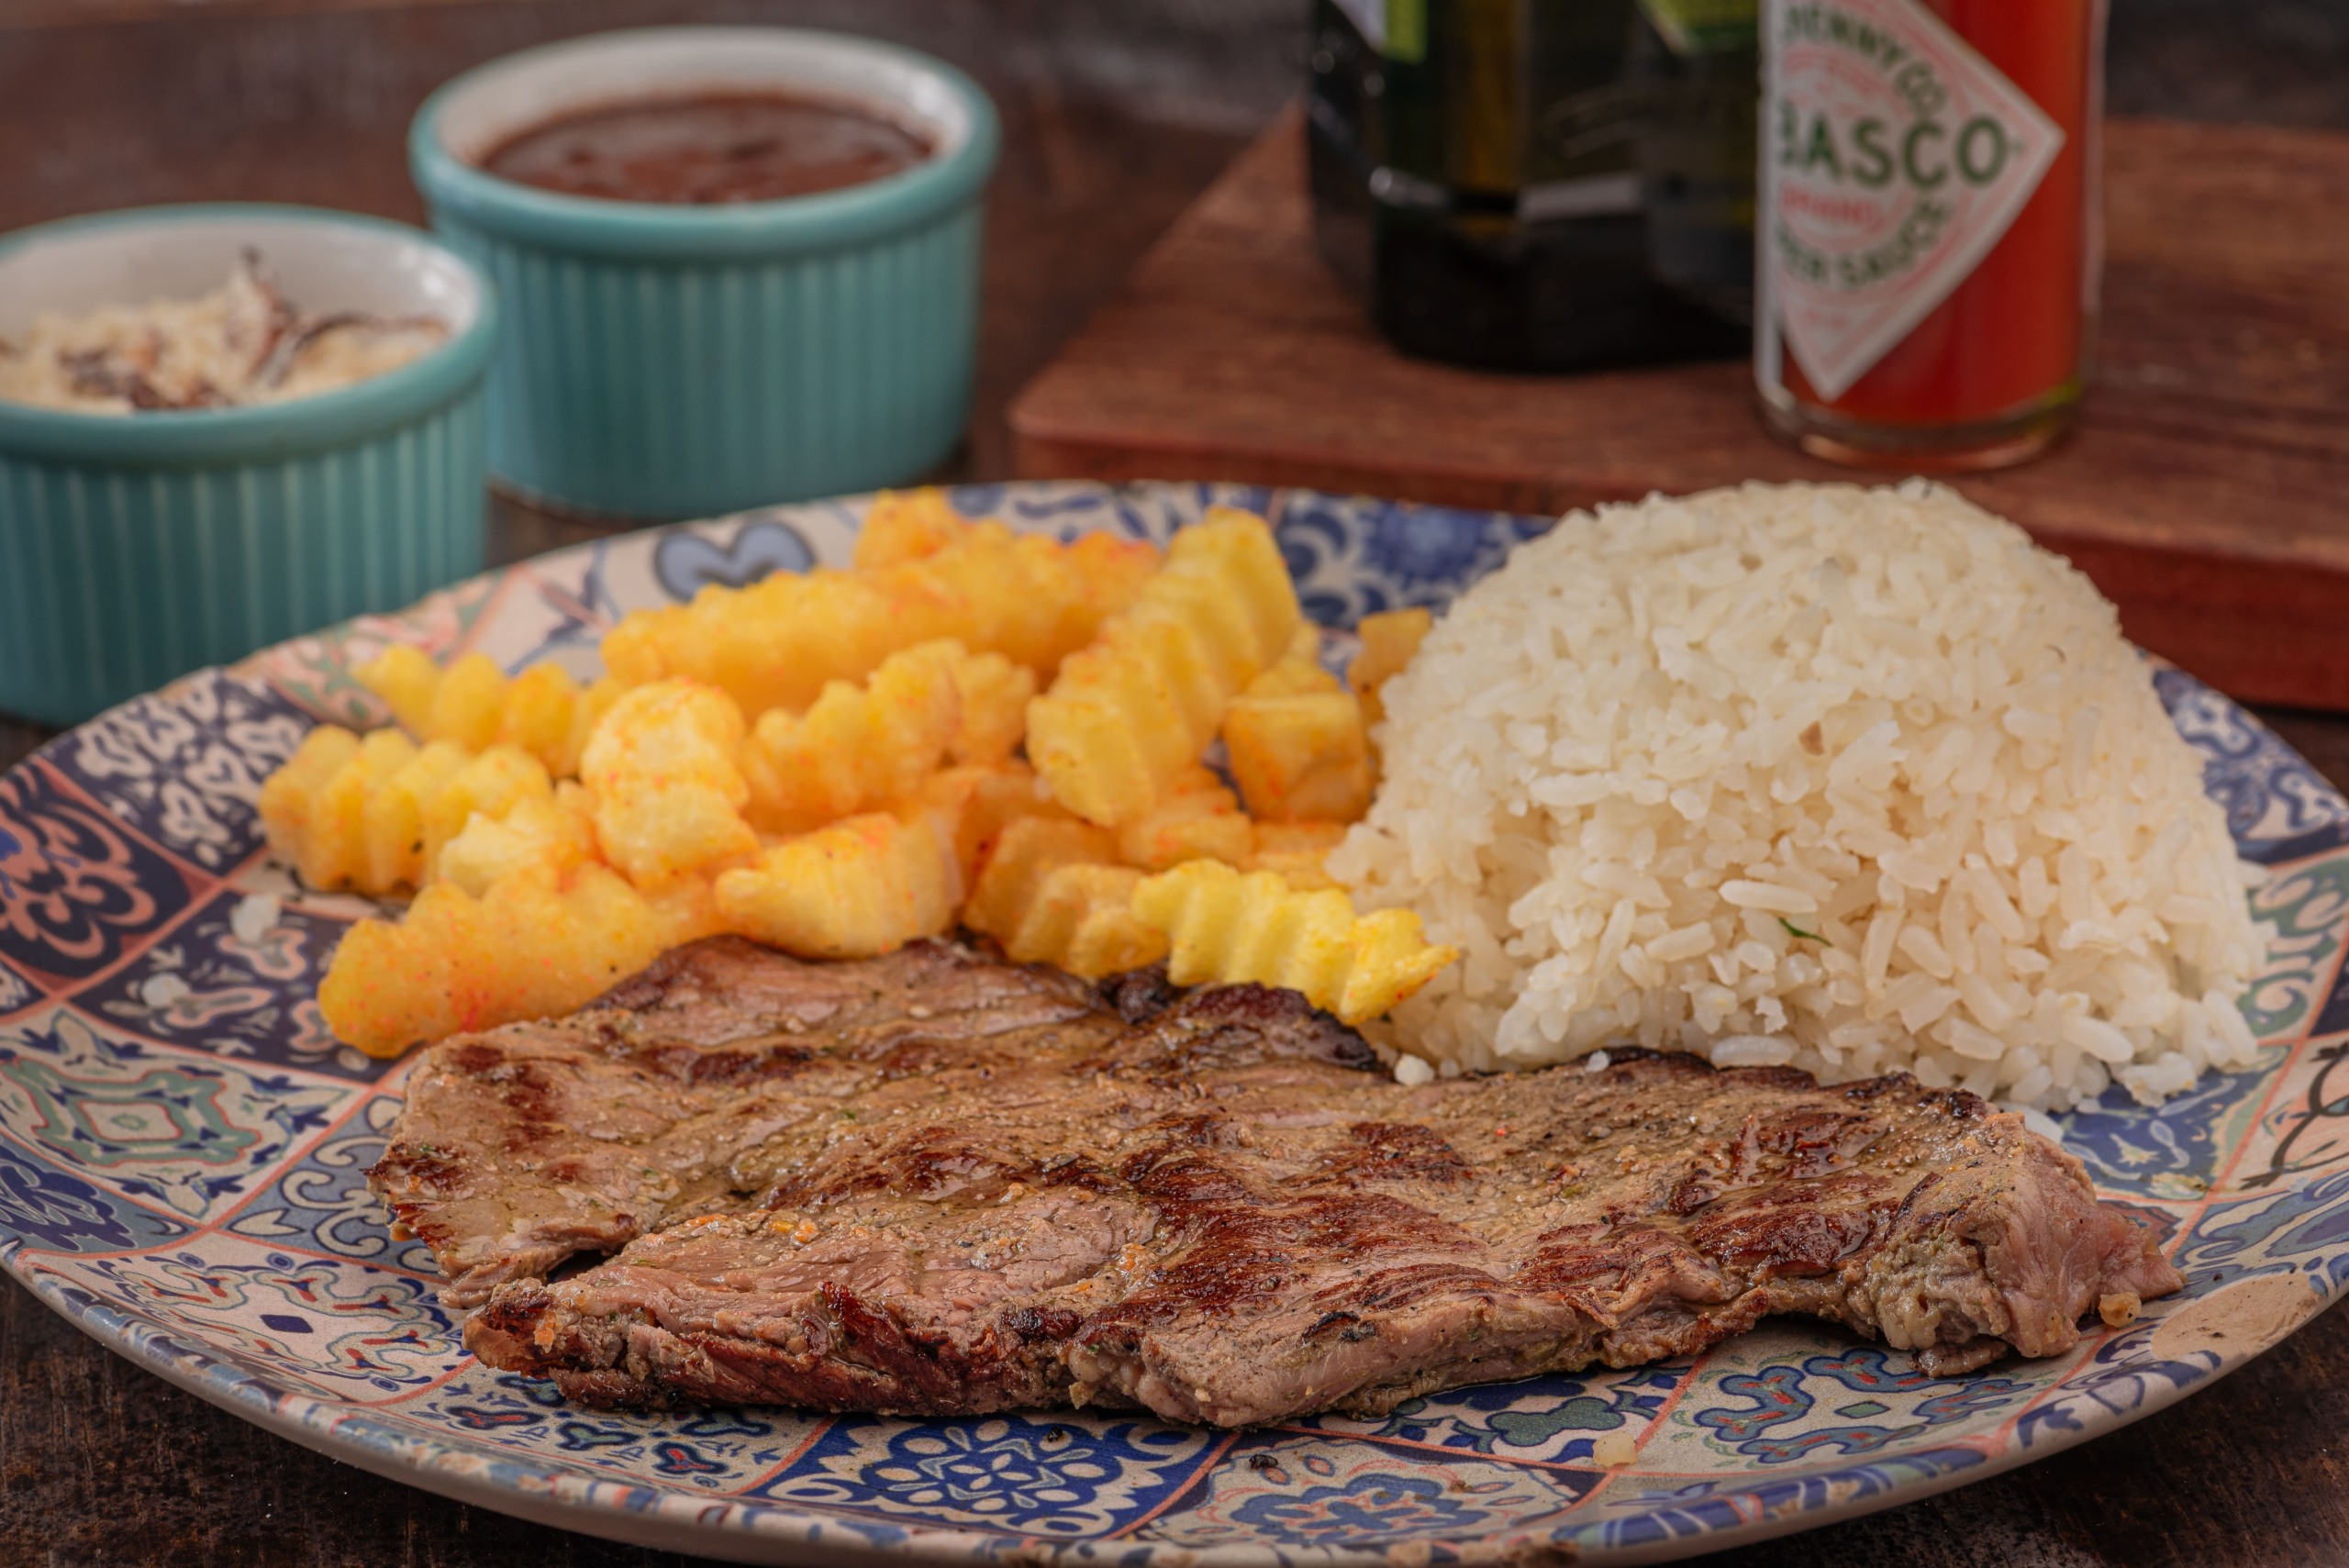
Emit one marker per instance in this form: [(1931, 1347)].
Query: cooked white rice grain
[(1857, 779)]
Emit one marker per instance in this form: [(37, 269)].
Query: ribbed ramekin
[(667, 360), (137, 547)]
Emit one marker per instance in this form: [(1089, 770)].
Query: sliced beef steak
[(682, 1092), (934, 1184)]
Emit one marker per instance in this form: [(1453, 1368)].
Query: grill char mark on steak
[(933, 1183), (683, 1093)]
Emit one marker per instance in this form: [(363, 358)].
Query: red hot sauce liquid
[(708, 149)]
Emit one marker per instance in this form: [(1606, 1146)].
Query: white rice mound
[(1852, 779)]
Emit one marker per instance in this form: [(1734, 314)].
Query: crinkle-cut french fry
[(668, 794), (779, 641), (994, 694), (315, 807), (470, 704), (374, 810), (1081, 919), (1294, 852), (557, 835), (532, 946), (1013, 867), (859, 749), (1026, 596), (687, 909), (973, 803), (536, 714), (1235, 550), (862, 887), (1225, 927), (405, 677), (1097, 576), (372, 813), (1298, 742), (1389, 639), (585, 714), (293, 798), (1199, 819), (491, 785), (1300, 759), (1047, 892), (906, 525), (1299, 672), (773, 644), (1131, 714), (398, 853)]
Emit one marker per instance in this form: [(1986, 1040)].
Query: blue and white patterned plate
[(182, 1146)]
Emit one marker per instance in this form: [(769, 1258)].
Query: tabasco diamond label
[(1892, 159)]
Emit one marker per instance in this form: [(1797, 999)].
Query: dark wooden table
[(1117, 114)]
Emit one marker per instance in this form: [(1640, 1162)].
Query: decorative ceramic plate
[(182, 1150)]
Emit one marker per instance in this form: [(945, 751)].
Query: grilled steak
[(934, 1184)]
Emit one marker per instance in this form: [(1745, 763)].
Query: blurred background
[(1117, 112)]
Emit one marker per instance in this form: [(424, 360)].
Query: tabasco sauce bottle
[(1927, 241)]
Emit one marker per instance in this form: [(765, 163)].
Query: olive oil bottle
[(1540, 184)]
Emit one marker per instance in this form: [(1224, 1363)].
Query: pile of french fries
[(968, 727)]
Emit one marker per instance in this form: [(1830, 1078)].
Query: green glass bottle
[(1540, 184)]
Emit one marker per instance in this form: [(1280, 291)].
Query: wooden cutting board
[(2207, 490)]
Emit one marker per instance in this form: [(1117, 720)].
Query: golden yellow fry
[(862, 886), (906, 525), (1299, 672), (406, 677), (468, 703), (315, 809), (995, 694), (397, 850), (1047, 893), (1294, 852), (490, 785), (536, 713), (668, 794), (1199, 819), (778, 642), (1129, 714), (1389, 639), (973, 803), (533, 945), (371, 813), (1081, 919), (472, 705), (1021, 855), (1109, 732), (585, 714), (557, 835), (1300, 759), (293, 797), (773, 644), (1236, 549), (1225, 927), (860, 748), (376, 818)]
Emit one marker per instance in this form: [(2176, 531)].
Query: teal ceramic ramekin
[(137, 547), (665, 361)]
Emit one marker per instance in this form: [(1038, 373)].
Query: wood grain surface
[(2203, 490), (1116, 116)]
